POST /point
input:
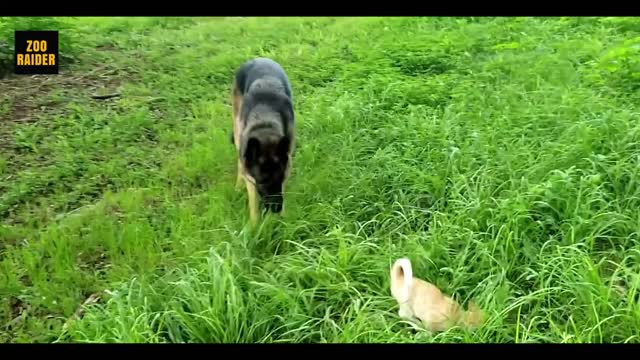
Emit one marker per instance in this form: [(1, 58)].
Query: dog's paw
[(405, 313)]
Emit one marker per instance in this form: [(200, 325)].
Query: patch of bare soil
[(31, 102), (17, 311), (17, 306), (29, 99)]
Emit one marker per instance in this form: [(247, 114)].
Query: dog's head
[(266, 158)]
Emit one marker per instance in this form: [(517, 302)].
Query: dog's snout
[(275, 207), (274, 203)]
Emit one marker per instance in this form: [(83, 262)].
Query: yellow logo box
[(36, 52)]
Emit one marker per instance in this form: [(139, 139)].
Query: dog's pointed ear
[(253, 150), (283, 147)]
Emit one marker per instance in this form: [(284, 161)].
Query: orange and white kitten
[(424, 302)]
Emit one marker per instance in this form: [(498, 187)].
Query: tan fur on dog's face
[(266, 161), (423, 302)]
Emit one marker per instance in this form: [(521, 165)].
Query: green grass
[(501, 155)]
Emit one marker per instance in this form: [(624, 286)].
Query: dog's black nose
[(274, 203), (275, 207)]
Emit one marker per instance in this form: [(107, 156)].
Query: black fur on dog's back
[(275, 102), (279, 98), (262, 81), (260, 68)]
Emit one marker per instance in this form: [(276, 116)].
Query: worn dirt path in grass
[(500, 155)]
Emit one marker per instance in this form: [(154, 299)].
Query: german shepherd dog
[(263, 132)]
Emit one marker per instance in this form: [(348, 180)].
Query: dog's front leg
[(239, 177), (252, 194)]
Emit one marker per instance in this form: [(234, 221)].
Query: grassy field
[(501, 155)]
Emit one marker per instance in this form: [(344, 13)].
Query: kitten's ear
[(252, 151)]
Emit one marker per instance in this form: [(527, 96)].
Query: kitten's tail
[(401, 280), (473, 317)]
